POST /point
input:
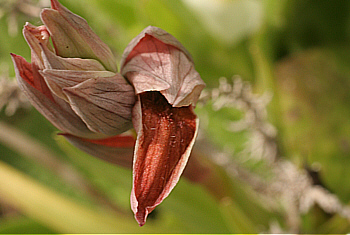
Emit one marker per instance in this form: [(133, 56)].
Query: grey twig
[(291, 186)]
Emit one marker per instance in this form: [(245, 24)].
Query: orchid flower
[(76, 86), (167, 86)]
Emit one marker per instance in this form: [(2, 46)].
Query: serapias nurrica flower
[(76, 86), (167, 86)]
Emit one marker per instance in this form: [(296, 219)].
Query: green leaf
[(22, 225), (112, 180), (57, 211), (236, 218), (193, 208)]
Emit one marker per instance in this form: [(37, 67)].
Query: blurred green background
[(296, 50)]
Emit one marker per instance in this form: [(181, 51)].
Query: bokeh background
[(273, 152)]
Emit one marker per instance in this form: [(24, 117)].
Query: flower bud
[(72, 37), (74, 84)]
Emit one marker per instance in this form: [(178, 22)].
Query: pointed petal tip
[(23, 69), (140, 213), (141, 217), (55, 4), (27, 25), (141, 223), (16, 60), (13, 56)]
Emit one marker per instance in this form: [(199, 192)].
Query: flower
[(76, 86), (167, 86)]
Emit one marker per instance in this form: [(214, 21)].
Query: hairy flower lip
[(164, 142)]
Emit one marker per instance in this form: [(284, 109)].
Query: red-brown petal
[(157, 33), (103, 103), (156, 61), (29, 72), (72, 37), (53, 61), (116, 149), (37, 37), (57, 111), (57, 80), (164, 143)]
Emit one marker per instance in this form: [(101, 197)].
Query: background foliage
[(295, 50)]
